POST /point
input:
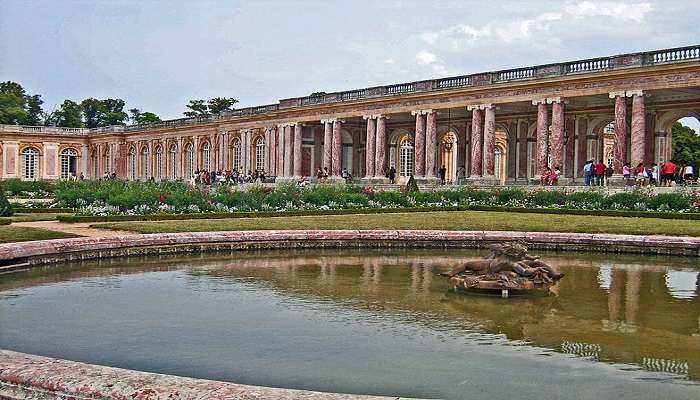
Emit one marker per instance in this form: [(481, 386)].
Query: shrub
[(670, 201), (585, 199), (18, 187), (322, 195), (5, 208), (549, 198), (427, 197), (635, 200), (411, 185), (510, 195), (391, 198)]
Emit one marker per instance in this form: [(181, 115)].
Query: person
[(325, 174), (262, 176), (654, 174), (587, 172), (640, 174), (668, 172), (82, 176), (608, 174), (600, 173), (461, 175), (546, 177), (303, 181), (443, 172), (106, 177), (319, 175), (554, 177), (626, 173), (688, 174), (392, 175)]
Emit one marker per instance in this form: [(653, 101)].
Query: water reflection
[(636, 314)]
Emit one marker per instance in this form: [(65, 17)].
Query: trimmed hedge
[(301, 213), (5, 221)]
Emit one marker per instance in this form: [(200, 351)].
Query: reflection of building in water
[(661, 365), (421, 277), (682, 285), (590, 350)]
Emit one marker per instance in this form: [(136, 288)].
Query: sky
[(157, 55)]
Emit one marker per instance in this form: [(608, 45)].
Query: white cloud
[(425, 57), (623, 11)]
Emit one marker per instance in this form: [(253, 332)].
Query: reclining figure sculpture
[(509, 260)]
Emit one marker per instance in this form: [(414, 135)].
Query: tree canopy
[(204, 108), (18, 107), (686, 145)]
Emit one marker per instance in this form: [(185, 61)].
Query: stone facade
[(503, 126)]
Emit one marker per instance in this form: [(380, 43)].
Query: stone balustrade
[(45, 130)]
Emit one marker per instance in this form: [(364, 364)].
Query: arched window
[(30, 163), (260, 153), (106, 168), (172, 161), (132, 164), (145, 163), (406, 157), (206, 156), (69, 163), (158, 166), (189, 161), (236, 154)]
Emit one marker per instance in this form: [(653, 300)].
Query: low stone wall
[(49, 251), (25, 376)]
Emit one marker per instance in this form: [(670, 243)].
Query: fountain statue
[(509, 267)]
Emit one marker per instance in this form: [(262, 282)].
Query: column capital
[(636, 92), (539, 101), (417, 112), (370, 116), (552, 100), (328, 120)]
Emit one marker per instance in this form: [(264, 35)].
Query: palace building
[(502, 127)]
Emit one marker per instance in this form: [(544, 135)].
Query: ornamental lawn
[(444, 220)]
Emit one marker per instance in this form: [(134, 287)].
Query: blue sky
[(156, 55)]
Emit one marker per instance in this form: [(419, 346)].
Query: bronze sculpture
[(509, 267)]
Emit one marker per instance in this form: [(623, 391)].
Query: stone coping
[(44, 251), (26, 376)]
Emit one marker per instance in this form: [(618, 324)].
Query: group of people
[(666, 174), (204, 177), (550, 177)]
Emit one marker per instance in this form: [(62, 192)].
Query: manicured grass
[(29, 217), (445, 220), (22, 234)]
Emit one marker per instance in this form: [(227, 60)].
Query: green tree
[(17, 107), (103, 112), (92, 112), (35, 114), (197, 108), (220, 104), (68, 115), (138, 117), (686, 145)]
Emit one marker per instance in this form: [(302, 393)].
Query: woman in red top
[(668, 172), (600, 172)]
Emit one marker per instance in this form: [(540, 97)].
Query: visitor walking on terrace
[(654, 174), (640, 175), (626, 173), (587, 172), (443, 172), (668, 173), (392, 175), (608, 174), (319, 175), (600, 173)]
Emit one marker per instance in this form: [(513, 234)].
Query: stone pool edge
[(21, 255), (26, 376)]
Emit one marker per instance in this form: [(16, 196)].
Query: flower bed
[(107, 198), (28, 189)]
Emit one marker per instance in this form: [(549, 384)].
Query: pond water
[(370, 322)]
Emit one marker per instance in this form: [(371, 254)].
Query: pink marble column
[(477, 132), (370, 143), (297, 149), (337, 149), (542, 136), (328, 145), (419, 144), (288, 150), (620, 148), (649, 146), (638, 128), (489, 140), (430, 143), (280, 151), (380, 148), (569, 147), (556, 144), (273, 151)]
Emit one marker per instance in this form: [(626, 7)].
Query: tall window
[(30, 163), (145, 163), (260, 153), (611, 158), (105, 161), (236, 154), (206, 156), (158, 167), (172, 161), (497, 160), (532, 159), (189, 161), (132, 164), (69, 163), (406, 157)]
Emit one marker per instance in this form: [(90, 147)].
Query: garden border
[(350, 211)]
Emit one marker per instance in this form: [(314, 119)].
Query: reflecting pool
[(370, 322)]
